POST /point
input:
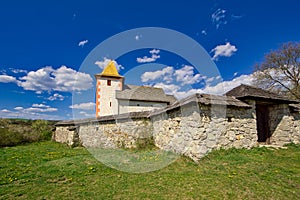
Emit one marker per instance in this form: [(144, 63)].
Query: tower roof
[(110, 70)]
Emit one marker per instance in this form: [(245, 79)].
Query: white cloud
[(147, 59), (175, 90), (67, 79), (223, 50), (183, 94), (84, 106), (154, 56), (138, 37), (7, 79), (154, 51), (219, 17), (151, 76), (225, 86), (103, 63), (35, 109), (62, 79), (204, 32), (187, 76), (176, 82), (168, 88), (18, 108), (40, 105), (30, 113), (235, 74), (212, 80), (16, 71), (218, 89), (82, 43), (172, 80), (85, 114), (56, 96)]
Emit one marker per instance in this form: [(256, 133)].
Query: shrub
[(16, 131), (9, 138), (41, 130)]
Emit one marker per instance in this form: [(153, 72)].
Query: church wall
[(108, 103), (126, 106)]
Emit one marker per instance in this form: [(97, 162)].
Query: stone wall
[(66, 134), (296, 133), (284, 126), (124, 133), (194, 130)]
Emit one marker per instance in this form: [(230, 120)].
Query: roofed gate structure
[(275, 115)]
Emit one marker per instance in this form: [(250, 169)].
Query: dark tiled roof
[(144, 93), (247, 91)]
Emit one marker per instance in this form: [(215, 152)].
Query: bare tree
[(280, 71)]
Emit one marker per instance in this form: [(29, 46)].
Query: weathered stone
[(210, 144), (190, 131)]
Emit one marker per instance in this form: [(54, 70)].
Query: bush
[(14, 131), (8, 138), (42, 129)]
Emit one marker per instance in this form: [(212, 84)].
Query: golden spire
[(111, 70)]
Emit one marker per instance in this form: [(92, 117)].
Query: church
[(113, 97), (130, 115)]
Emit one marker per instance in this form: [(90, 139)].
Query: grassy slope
[(50, 170)]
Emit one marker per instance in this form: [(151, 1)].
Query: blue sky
[(45, 44)]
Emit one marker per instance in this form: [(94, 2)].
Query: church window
[(109, 82), (110, 104)]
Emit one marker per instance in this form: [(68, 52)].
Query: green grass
[(49, 170)]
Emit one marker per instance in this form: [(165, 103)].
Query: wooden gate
[(262, 123)]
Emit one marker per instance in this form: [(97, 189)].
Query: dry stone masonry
[(192, 127)]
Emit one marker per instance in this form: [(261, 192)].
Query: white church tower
[(107, 83)]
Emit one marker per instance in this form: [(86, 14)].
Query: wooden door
[(262, 123)]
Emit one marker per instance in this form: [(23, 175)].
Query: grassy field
[(49, 170)]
